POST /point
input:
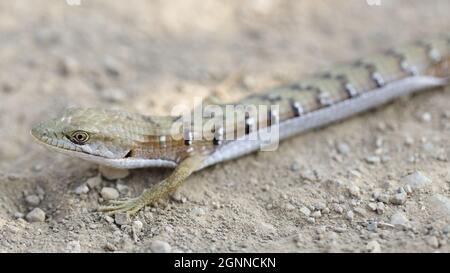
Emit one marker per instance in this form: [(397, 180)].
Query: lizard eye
[(79, 137)]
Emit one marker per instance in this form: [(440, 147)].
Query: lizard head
[(104, 136)]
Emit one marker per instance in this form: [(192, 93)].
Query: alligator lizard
[(128, 140)]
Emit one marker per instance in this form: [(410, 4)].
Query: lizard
[(129, 140)]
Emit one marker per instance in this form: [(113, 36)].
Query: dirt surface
[(342, 188)]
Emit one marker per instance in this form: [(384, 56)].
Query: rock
[(18, 215), (158, 246), (398, 198), (316, 214), (121, 219), (289, 207), (349, 215), (343, 148), (32, 200), (73, 247), (94, 182), (399, 219), (372, 206), (433, 241), (426, 117), (68, 66), (82, 189), (373, 159), (197, 211), (113, 173), (372, 226), (383, 197), (113, 95), (137, 226), (294, 167), (109, 193), (109, 219), (305, 211), (123, 189), (373, 247), (440, 204), (416, 180), (380, 207), (338, 209), (36, 215), (354, 191)]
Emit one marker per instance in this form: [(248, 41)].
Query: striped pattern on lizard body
[(127, 140)]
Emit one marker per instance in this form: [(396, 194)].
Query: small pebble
[(398, 198), (123, 189), (289, 207), (121, 218), (82, 189), (343, 148), (198, 211), (33, 200), (113, 173), (338, 209), (373, 159), (372, 206), (373, 247), (399, 219), (440, 204), (380, 207), (294, 167), (18, 215), (433, 241), (305, 211), (109, 219), (316, 214), (36, 215), (349, 215), (94, 181), (137, 225), (426, 117), (68, 66), (416, 180), (158, 246), (372, 226), (354, 191), (109, 193), (113, 95)]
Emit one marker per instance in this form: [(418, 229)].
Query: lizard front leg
[(160, 190)]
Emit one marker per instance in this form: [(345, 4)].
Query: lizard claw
[(130, 206)]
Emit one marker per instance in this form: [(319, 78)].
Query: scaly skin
[(125, 140)]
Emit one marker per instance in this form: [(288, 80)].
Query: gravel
[(36, 215), (109, 193), (158, 246)]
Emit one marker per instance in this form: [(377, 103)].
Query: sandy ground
[(342, 188)]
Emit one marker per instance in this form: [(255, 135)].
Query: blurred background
[(146, 56)]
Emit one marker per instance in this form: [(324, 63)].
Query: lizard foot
[(128, 205)]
